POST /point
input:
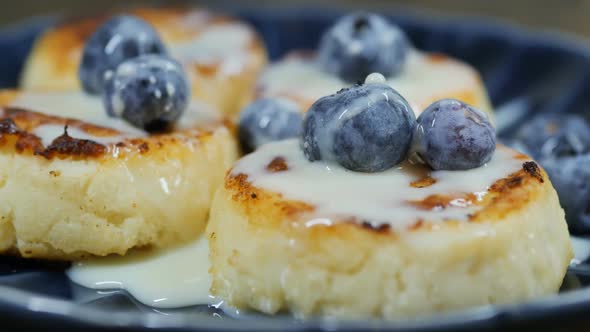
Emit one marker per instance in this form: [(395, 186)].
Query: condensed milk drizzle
[(171, 278), (88, 109), (225, 45), (379, 198), (423, 79)]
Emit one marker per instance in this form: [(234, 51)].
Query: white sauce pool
[(170, 278), (581, 248)]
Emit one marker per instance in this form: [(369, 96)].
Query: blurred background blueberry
[(571, 178), (360, 44), (267, 120), (555, 135), (561, 144), (120, 38)]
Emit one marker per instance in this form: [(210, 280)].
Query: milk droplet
[(375, 78)]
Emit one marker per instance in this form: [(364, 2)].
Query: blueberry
[(150, 92), (571, 178), (452, 135), (555, 136), (360, 44), (120, 38), (269, 119), (365, 128)]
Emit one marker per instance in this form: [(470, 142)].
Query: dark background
[(566, 15)]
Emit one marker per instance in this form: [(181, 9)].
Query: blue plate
[(525, 74)]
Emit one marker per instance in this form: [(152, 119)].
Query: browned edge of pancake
[(505, 196), (17, 126)]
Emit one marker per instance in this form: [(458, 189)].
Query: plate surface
[(525, 74)]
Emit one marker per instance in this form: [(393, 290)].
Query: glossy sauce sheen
[(422, 79), (225, 45), (79, 106), (377, 198), (169, 278), (581, 248)]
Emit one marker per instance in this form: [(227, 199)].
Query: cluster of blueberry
[(355, 46), (126, 62), (371, 128), (561, 143)]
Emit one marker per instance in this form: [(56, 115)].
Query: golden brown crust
[(511, 193), (440, 202), (17, 127), (278, 164), (424, 182), (532, 169), (504, 196), (17, 124), (253, 198), (62, 146)]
